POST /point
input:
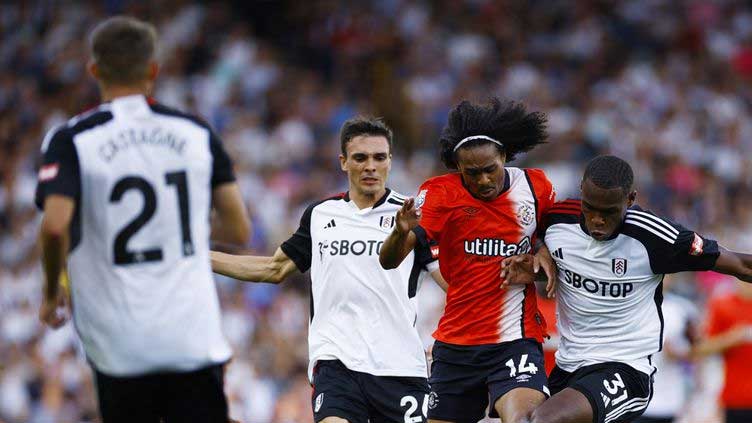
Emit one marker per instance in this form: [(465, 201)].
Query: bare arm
[(723, 341), (54, 237), (738, 265), (402, 240), (439, 279), (230, 223), (272, 269)]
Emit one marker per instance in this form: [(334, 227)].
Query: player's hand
[(407, 217), (54, 312), (519, 269), (546, 262)]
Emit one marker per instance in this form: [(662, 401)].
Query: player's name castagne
[(156, 137)]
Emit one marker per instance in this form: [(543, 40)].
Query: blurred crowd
[(664, 84)]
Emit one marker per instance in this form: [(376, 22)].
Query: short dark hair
[(609, 172), (362, 125), (122, 47), (508, 122)]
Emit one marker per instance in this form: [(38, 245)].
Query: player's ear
[(153, 71), (631, 198), (342, 160), (93, 69)]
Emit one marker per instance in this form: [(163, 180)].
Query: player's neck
[(111, 92), (365, 200)]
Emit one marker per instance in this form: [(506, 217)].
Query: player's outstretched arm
[(230, 223), (738, 265), (402, 240), (272, 269), (723, 341)]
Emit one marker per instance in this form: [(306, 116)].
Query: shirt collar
[(381, 200)]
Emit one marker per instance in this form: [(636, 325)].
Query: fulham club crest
[(387, 222), (619, 266)]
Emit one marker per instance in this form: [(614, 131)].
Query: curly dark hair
[(508, 122), (609, 172)]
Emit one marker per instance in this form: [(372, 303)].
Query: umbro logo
[(331, 224)]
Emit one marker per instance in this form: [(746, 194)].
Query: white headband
[(477, 137)]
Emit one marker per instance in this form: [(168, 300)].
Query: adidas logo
[(331, 224), (558, 254)]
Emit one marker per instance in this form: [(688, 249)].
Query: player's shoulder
[(89, 119), (164, 110), (393, 198), (536, 176), (644, 225), (328, 200), (531, 172), (535, 179), (440, 187), (446, 180), (564, 212)]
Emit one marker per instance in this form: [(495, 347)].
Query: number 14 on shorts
[(522, 367), (613, 387)]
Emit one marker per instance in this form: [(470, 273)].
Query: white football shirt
[(610, 292), (141, 175), (361, 314)]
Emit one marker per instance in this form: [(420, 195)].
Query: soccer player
[(488, 342), (126, 191), (366, 359), (612, 256)]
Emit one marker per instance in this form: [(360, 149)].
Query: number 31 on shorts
[(613, 387), (412, 405)]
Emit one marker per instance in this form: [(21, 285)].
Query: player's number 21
[(121, 254)]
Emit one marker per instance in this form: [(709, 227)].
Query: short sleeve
[(298, 247), (59, 172), (222, 165), (545, 195), (671, 247), (426, 251), (431, 201)]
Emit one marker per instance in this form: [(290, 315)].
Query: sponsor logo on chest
[(593, 286), (496, 247)]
